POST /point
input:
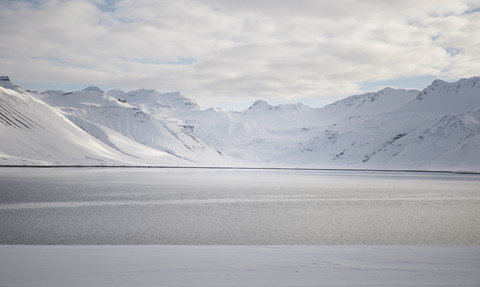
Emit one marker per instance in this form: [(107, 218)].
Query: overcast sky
[(230, 53)]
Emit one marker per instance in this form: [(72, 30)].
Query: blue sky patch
[(107, 5), (454, 51)]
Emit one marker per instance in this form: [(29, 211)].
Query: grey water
[(230, 206)]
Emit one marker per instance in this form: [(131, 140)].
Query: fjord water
[(231, 206)]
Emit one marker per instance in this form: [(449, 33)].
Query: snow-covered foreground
[(164, 265)]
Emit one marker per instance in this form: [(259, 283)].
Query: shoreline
[(243, 168)]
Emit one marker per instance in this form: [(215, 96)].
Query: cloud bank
[(233, 52)]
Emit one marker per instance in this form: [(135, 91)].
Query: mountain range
[(437, 128)]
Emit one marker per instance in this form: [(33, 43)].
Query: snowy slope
[(436, 128), (441, 98), (98, 113), (383, 101), (297, 135), (34, 133), (151, 98)]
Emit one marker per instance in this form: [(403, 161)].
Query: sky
[(230, 53)]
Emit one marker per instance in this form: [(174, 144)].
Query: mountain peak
[(260, 105), (439, 82), (442, 97), (92, 89), (170, 100), (473, 82), (5, 82)]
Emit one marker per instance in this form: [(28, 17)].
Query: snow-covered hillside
[(436, 128), (100, 113), (33, 133), (90, 127)]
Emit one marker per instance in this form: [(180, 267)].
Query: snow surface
[(239, 266), (34, 133), (434, 129)]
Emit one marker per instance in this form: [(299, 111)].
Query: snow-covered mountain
[(33, 133), (91, 127), (436, 128), (139, 116)]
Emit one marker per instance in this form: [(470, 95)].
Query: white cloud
[(220, 51)]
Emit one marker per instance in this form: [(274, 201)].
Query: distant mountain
[(92, 89), (156, 101), (441, 98), (437, 128)]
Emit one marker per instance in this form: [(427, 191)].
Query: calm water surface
[(205, 206)]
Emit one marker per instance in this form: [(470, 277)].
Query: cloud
[(219, 51)]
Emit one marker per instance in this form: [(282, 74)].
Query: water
[(208, 206)]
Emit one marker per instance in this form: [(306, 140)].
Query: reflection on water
[(211, 206)]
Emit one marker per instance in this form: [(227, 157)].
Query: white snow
[(141, 120), (436, 128), (239, 266), (34, 133), (390, 129)]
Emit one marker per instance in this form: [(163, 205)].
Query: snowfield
[(239, 266), (437, 128)]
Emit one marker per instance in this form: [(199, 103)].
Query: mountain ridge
[(436, 128)]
